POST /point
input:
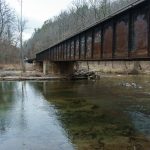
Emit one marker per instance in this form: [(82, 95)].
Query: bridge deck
[(125, 35)]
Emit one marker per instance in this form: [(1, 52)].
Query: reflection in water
[(28, 121), (91, 115), (23, 122), (6, 101)]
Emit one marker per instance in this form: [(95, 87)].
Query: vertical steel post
[(67, 45), (92, 46), (102, 41), (64, 57), (148, 22), (85, 45), (74, 47), (55, 53), (49, 54), (52, 49), (114, 38), (130, 32), (63, 51), (70, 49), (58, 51), (79, 46)]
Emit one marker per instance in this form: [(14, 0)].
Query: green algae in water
[(94, 114)]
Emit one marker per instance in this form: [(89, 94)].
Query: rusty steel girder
[(124, 35)]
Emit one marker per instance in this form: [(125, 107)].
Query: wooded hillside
[(81, 14)]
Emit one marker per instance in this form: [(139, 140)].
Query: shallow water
[(112, 114)]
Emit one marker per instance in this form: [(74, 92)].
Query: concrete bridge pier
[(45, 67)]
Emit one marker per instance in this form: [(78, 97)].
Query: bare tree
[(7, 17), (8, 51)]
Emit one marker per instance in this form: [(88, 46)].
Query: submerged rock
[(132, 85)]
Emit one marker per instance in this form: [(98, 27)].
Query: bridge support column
[(45, 67)]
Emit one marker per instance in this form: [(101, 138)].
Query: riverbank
[(12, 72), (87, 70), (13, 75), (27, 78)]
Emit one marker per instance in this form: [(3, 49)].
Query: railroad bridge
[(118, 40)]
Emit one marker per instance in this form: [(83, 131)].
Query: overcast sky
[(38, 11)]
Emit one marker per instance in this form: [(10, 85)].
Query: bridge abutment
[(114, 67), (45, 67), (98, 67)]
